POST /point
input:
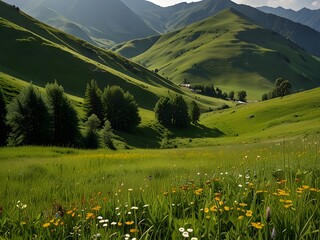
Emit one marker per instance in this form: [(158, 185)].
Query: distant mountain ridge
[(104, 22), (304, 16), (165, 19)]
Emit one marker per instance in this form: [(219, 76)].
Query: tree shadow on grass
[(151, 136), (196, 131)]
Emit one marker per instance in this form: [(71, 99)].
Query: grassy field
[(220, 192)]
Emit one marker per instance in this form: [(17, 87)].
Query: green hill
[(32, 51), (135, 47), (180, 15), (234, 53), (296, 114)]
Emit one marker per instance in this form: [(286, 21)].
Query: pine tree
[(180, 116), (28, 119), (163, 111), (64, 116), (120, 108), (92, 100), (194, 112), (3, 127), (92, 132), (106, 136)]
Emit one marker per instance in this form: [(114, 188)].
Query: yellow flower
[(220, 203), (133, 230), (257, 225), (243, 204), (313, 190), (89, 215), (69, 212), (240, 217), (96, 208), (288, 205), (226, 208), (52, 220), (119, 224), (206, 210), (305, 187), (249, 213), (217, 199), (129, 223), (213, 209), (46, 225)]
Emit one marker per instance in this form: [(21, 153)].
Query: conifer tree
[(28, 119), (92, 100), (120, 108), (194, 112), (64, 116)]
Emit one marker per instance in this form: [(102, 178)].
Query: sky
[(293, 4)]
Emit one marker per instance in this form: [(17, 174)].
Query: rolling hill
[(304, 16), (231, 51), (104, 22), (180, 15), (33, 51)]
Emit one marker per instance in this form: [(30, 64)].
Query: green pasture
[(219, 192)]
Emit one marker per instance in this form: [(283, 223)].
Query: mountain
[(35, 52), (304, 16), (231, 51), (104, 22), (180, 15)]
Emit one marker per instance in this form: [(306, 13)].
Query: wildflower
[(119, 224), (240, 217), (313, 190), (194, 238), (96, 208), (249, 213), (89, 215), (240, 185), (305, 187), (129, 223), (146, 205), (257, 225), (288, 205), (130, 189), (46, 225), (268, 214), (133, 230), (243, 204), (226, 208), (69, 212), (185, 234), (206, 210), (213, 208), (99, 217), (190, 230)]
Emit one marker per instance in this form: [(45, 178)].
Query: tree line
[(32, 118)]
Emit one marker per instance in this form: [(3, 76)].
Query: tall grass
[(220, 192)]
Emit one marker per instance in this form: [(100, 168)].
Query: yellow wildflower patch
[(257, 225), (249, 213), (46, 225)]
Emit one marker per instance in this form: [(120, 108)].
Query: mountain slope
[(181, 15), (32, 51), (104, 21), (231, 51), (304, 16)]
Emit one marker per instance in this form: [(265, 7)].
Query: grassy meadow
[(220, 192)]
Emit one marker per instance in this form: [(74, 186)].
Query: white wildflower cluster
[(186, 233)]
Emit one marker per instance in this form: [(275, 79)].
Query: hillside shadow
[(197, 131)]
